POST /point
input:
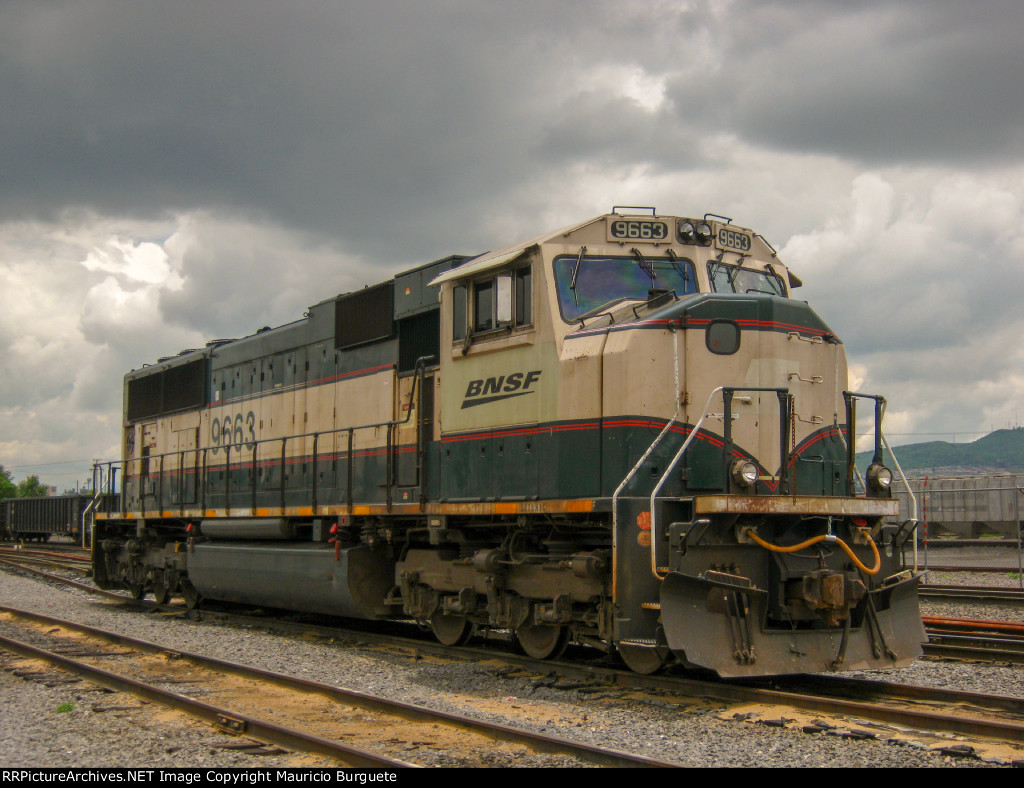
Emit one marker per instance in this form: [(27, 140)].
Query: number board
[(651, 230), (733, 239)]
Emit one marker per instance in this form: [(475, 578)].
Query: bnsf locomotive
[(625, 434)]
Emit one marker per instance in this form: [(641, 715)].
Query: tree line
[(26, 488)]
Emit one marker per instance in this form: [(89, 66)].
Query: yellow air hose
[(814, 540)]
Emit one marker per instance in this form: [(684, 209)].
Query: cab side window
[(492, 304), (483, 306)]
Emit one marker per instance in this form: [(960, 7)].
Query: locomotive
[(625, 434)]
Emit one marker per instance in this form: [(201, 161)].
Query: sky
[(175, 172)]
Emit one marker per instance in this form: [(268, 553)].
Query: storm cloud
[(176, 172)]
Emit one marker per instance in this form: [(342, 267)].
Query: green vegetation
[(8, 489), (26, 488), (65, 707), (32, 488), (1001, 451)]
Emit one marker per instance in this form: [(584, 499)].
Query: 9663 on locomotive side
[(625, 434)]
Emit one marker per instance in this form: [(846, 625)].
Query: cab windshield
[(586, 284), (727, 278)]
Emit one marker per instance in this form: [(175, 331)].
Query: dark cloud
[(883, 82), (348, 117), (275, 155)]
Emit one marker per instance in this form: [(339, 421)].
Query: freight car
[(968, 506), (37, 519), (626, 434)]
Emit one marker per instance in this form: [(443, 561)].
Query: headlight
[(704, 232), (879, 477), (687, 233), (744, 473)]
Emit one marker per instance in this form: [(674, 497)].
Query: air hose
[(814, 540)]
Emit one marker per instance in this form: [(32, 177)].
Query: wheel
[(137, 592), (542, 641), (192, 597), (645, 660), (451, 630), (161, 593)]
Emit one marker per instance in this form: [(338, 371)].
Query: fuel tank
[(307, 577)]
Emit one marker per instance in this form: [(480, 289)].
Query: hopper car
[(38, 519), (967, 506)]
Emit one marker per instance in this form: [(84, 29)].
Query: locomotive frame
[(625, 433)]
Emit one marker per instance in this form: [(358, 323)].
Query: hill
[(1001, 451)]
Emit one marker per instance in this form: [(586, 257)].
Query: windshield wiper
[(736, 271), (645, 265), (575, 272), (678, 265), (715, 265)]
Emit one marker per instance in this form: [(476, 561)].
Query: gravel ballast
[(37, 734)]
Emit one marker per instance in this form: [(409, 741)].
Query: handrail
[(856, 470), (419, 371), (650, 449), (881, 442), (686, 445), (98, 494), (906, 484)]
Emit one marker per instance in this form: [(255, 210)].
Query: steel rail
[(987, 569), (992, 595), (954, 722), (539, 742), (29, 560), (973, 625), (89, 589), (730, 692), (846, 686), (970, 650), (236, 722), (964, 638), (69, 555), (749, 692)]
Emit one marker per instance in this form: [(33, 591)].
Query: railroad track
[(345, 714), (902, 706), (1003, 569), (32, 561), (989, 595), (74, 559), (51, 549), (973, 639)]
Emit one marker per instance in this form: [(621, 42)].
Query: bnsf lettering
[(480, 392)]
